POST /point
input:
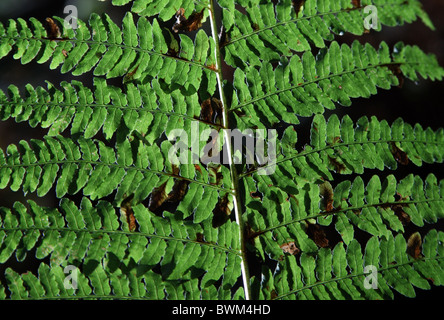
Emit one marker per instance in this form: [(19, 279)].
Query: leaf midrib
[(126, 233), (332, 75), (108, 44), (351, 208), (320, 14), (338, 145), (113, 165), (109, 106)]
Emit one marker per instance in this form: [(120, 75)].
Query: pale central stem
[(227, 140)]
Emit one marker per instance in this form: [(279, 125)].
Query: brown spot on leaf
[(200, 237), (401, 214), (193, 23), (317, 234), (65, 53), (326, 192), (339, 166), (396, 70), (127, 211), (356, 3), (180, 186), (129, 76), (215, 171), (177, 193), (222, 211), (158, 197), (197, 167), (297, 5), (211, 111), (399, 155), (290, 248), (179, 190), (414, 244), (273, 294), (212, 67), (256, 195), (52, 29), (337, 140)]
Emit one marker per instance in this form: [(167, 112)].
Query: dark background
[(420, 102)]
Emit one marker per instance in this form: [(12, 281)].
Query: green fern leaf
[(137, 51), (98, 170), (271, 218), (143, 109), (171, 243), (339, 273), (307, 85), (377, 209), (164, 9), (268, 31)]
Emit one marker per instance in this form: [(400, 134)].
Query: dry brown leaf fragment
[(157, 197), (339, 166), (317, 234), (356, 3), (326, 193), (211, 111), (399, 155), (177, 193), (193, 23), (290, 248), (401, 214), (52, 29), (128, 214), (297, 5), (414, 245), (222, 211)]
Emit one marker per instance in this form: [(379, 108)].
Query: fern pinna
[(136, 225)]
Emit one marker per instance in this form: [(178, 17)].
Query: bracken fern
[(138, 226)]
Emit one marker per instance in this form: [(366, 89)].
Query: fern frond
[(136, 170), (377, 209), (146, 109), (163, 257), (343, 147), (308, 85), (146, 223), (164, 9), (137, 51), (268, 31), (340, 274)]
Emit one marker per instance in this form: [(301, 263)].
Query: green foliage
[(269, 31), (306, 85), (140, 227), (141, 51), (339, 273), (116, 260)]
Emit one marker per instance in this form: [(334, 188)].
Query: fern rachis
[(138, 226)]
